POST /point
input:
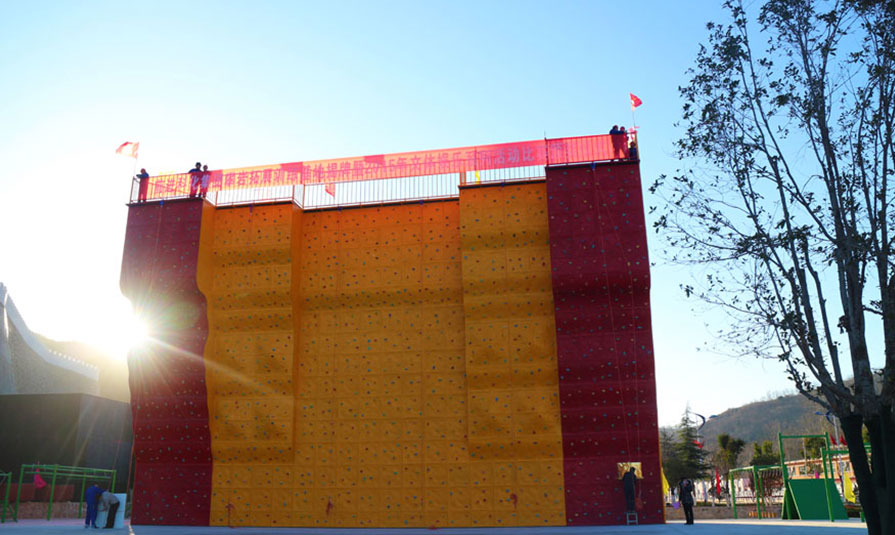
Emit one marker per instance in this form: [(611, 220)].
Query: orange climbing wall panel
[(381, 411), (348, 383), (515, 437), (245, 271)]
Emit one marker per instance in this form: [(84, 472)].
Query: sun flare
[(124, 331)]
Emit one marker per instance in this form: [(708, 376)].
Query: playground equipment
[(828, 458), (59, 472), (5, 478), (802, 496), (764, 486)]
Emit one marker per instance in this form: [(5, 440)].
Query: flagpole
[(134, 177), (135, 154), (635, 102)]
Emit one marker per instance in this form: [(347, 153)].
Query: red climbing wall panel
[(167, 379), (607, 383)]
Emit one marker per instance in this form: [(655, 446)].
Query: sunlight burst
[(125, 332)]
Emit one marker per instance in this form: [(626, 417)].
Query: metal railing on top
[(384, 178)]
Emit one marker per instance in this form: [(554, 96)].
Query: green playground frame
[(5, 478), (788, 506), (788, 509), (60, 471), (828, 455), (756, 478)]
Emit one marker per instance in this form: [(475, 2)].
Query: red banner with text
[(541, 152)]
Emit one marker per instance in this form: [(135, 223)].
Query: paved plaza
[(714, 527)]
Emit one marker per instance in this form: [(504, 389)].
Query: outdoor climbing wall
[(481, 362), (604, 339), (245, 271), (515, 440), (172, 474), (381, 424)]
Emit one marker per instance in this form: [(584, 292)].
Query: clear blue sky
[(249, 83)]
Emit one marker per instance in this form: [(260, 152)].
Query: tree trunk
[(874, 483), (882, 463)]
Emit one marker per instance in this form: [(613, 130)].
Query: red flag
[(842, 441), (39, 482), (635, 101), (331, 189), (833, 440), (128, 149), (717, 482)]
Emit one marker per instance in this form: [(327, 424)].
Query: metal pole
[(785, 472), (134, 176), (759, 489), (6, 497), (839, 457), (782, 459), (52, 492), (828, 461), (827, 483), (15, 515), (81, 496), (733, 494)]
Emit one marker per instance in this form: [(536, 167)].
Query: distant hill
[(762, 420), (790, 414), (112, 371)]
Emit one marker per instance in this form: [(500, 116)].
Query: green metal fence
[(57, 472)]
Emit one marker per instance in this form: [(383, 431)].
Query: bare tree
[(787, 210)]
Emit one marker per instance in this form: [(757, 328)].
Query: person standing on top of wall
[(686, 496), (143, 179), (619, 138), (195, 178), (206, 179), (91, 496)]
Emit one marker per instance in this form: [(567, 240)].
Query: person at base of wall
[(91, 497), (686, 494), (629, 483), (109, 502), (143, 179)]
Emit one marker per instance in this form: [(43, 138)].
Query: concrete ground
[(713, 527)]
